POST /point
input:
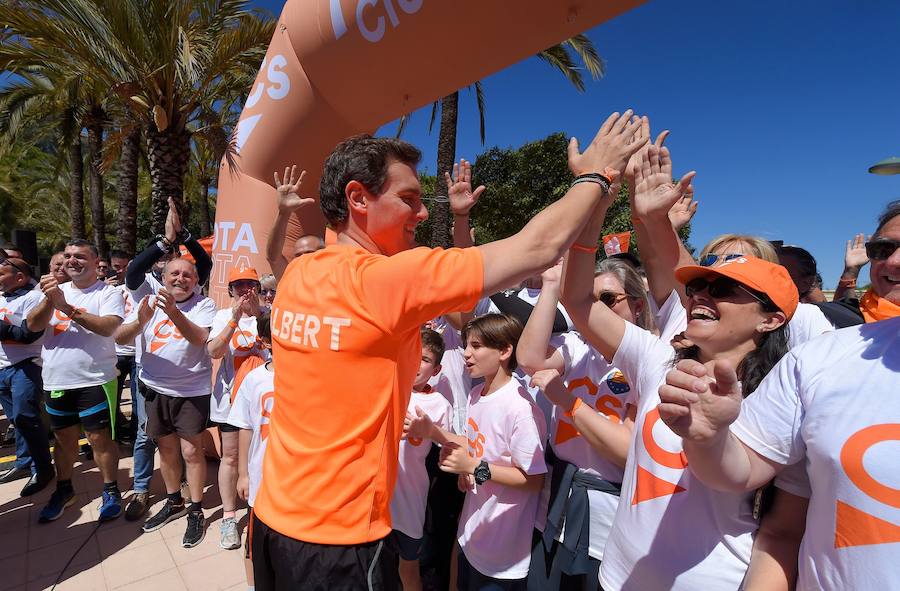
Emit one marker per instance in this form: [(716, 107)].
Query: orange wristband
[(571, 412), (582, 248)]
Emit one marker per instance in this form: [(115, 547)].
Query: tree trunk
[(95, 180), (126, 220), (446, 154), (76, 187), (168, 155), (205, 219)]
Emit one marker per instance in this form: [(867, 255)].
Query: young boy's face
[(481, 360), (428, 368)]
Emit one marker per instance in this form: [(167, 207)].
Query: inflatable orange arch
[(341, 67)]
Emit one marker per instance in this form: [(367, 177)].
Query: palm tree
[(163, 60), (559, 56)]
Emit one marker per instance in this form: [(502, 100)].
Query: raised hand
[(855, 257), (553, 274), (456, 460), (699, 407), (417, 426), (238, 306), (50, 288), (683, 211), (616, 141), (173, 223), (654, 192), (166, 302), (459, 188), (144, 312), (289, 198)]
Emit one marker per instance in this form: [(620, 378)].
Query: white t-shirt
[(833, 407), (411, 490), (130, 304), (807, 322), (604, 388), (73, 356), (243, 343), (149, 287), (252, 407), (504, 428), (670, 531), (169, 363), (14, 311)]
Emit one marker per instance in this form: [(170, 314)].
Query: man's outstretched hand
[(616, 141), (289, 199), (459, 188)]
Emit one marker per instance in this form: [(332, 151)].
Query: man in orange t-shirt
[(345, 332)]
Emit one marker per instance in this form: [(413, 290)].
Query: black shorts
[(185, 417), (468, 578), (281, 563), (89, 407), (224, 427), (408, 548)]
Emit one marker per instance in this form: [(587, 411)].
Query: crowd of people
[(511, 415)]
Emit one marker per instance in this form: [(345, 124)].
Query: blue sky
[(781, 107)]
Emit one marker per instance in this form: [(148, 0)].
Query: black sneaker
[(38, 482), (196, 529), (13, 474), (168, 513)]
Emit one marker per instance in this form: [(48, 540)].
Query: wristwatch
[(482, 473)]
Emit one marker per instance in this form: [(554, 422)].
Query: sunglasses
[(721, 288), (611, 298), (881, 249), (267, 292), (711, 259), (6, 261)]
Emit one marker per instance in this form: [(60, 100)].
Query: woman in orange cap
[(670, 530), (234, 340)]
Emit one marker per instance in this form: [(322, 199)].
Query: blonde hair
[(633, 284), (758, 247)]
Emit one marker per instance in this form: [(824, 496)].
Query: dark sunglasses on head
[(611, 298), (881, 248), (720, 288), (711, 259)]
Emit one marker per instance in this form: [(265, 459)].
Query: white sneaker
[(229, 538)]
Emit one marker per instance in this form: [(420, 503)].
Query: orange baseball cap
[(246, 273), (757, 274)]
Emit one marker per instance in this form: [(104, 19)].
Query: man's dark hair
[(890, 212), (119, 254), (361, 158), (81, 242), (806, 266), (434, 342), (264, 326)]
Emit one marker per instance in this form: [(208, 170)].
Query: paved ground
[(114, 555)]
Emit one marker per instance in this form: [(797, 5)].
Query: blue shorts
[(409, 548)]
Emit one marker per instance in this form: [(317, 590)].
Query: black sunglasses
[(611, 298), (6, 261), (711, 259), (720, 288), (881, 248)]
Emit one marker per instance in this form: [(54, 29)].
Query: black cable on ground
[(63, 571)]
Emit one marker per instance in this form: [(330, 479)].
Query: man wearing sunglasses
[(20, 376), (882, 300)]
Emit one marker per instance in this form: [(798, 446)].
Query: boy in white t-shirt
[(500, 462), (411, 491), (251, 408)]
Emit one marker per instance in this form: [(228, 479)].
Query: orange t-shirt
[(345, 336)]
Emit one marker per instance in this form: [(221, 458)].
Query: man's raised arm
[(547, 237)]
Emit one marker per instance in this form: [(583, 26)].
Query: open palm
[(654, 191), (289, 198), (459, 188)]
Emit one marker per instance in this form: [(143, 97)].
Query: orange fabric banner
[(341, 67)]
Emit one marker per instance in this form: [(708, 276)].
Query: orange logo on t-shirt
[(647, 485), (163, 332), (267, 402), (854, 527), (609, 406), (476, 443), (62, 321)]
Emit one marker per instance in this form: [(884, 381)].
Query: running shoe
[(59, 500), (168, 513), (196, 529), (110, 505), (229, 538)]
